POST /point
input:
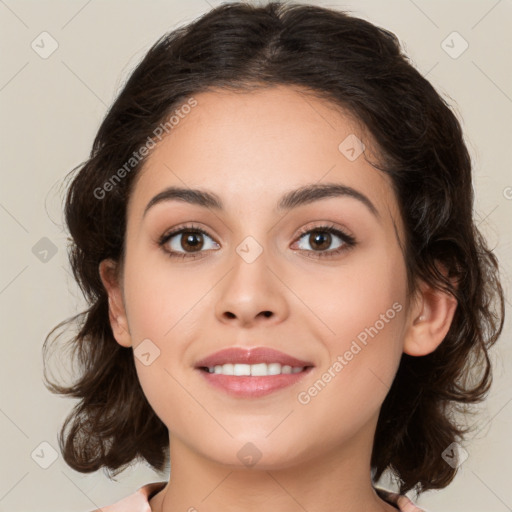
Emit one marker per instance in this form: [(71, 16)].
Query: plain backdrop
[(51, 107)]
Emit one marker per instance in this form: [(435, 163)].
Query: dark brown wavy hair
[(360, 67)]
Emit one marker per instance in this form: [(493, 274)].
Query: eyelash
[(348, 240)]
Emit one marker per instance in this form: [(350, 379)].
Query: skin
[(249, 149)]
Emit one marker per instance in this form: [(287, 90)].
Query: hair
[(361, 68)]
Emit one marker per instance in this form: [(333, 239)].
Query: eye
[(186, 242), (189, 242), (320, 238)]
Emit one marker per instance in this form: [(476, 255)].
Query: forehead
[(251, 147)]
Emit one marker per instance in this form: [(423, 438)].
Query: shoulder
[(136, 502), (401, 502)]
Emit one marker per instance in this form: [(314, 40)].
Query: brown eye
[(187, 242), (320, 240), (193, 240)]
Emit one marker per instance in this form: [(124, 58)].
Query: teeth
[(260, 369)]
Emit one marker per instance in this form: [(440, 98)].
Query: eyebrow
[(292, 199)]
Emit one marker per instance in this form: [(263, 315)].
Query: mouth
[(252, 373), (259, 361), (252, 386), (254, 370)]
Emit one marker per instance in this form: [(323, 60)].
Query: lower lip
[(253, 387)]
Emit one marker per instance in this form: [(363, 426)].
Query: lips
[(235, 355)]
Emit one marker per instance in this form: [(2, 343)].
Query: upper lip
[(237, 355)]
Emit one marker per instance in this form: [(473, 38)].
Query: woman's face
[(256, 280)]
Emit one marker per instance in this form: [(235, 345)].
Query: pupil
[(318, 237), (192, 241)]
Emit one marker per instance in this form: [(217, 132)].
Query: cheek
[(354, 295), (165, 305), (161, 309), (365, 313), (362, 307), (161, 297)]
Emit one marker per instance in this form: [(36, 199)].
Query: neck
[(337, 481)]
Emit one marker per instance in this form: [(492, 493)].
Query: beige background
[(50, 111)]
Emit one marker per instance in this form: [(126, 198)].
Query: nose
[(251, 294)]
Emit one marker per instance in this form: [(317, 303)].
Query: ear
[(117, 314), (429, 320)]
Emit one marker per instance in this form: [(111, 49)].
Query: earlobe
[(429, 321), (116, 310)]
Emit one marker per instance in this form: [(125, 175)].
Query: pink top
[(139, 500)]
